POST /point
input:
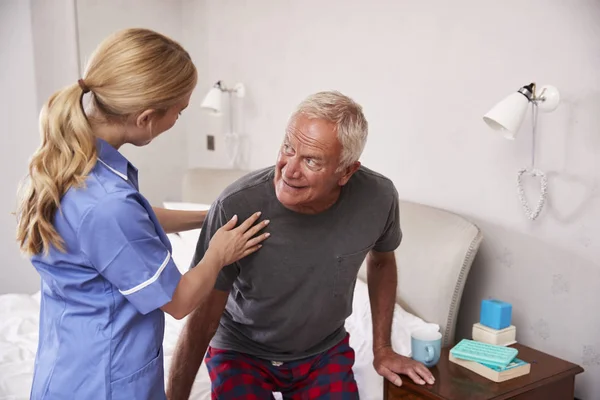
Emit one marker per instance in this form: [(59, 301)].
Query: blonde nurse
[(106, 271)]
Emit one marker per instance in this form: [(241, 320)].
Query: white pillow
[(187, 206), (181, 253), (360, 327), (190, 236), (184, 243)]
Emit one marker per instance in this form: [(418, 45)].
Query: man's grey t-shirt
[(290, 299)]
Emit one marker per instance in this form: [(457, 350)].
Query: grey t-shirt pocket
[(347, 267)]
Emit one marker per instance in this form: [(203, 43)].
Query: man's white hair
[(350, 123)]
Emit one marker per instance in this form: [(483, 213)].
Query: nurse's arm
[(173, 221), (194, 287), (201, 326)]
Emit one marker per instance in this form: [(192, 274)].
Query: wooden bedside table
[(550, 378)]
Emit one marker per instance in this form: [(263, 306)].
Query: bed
[(437, 252)]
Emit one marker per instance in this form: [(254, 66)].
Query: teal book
[(515, 363)]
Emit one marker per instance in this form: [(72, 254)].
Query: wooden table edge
[(411, 386), (419, 389), (574, 371)]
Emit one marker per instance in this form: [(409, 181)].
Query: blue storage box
[(495, 314)]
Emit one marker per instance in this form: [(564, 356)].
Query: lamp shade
[(507, 116), (213, 100)]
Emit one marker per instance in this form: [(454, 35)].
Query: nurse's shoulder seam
[(111, 169), (124, 190), (118, 184)]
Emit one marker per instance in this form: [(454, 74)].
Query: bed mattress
[(19, 316)]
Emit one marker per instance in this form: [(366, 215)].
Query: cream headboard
[(434, 259)]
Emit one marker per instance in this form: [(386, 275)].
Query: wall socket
[(210, 142)]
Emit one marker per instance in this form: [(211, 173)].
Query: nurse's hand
[(230, 244)]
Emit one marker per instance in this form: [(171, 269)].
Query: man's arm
[(173, 221), (382, 279), (192, 344)]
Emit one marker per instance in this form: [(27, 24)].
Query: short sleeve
[(120, 240), (392, 234), (215, 219)]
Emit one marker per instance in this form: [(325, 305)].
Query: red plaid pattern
[(327, 376)]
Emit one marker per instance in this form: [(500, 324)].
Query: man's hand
[(390, 364)]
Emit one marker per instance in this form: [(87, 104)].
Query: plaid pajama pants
[(327, 376)]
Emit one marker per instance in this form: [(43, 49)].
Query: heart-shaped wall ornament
[(535, 173)]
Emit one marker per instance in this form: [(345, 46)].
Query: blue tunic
[(101, 327)]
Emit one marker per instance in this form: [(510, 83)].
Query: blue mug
[(426, 346)]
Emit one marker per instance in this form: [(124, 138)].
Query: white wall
[(425, 73), (161, 164), (18, 113), (55, 46), (39, 56)]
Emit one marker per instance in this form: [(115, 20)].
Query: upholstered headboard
[(434, 259)]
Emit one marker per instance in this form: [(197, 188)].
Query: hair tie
[(83, 86)]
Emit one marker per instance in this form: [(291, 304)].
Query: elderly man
[(275, 319)]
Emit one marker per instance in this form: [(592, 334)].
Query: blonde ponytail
[(131, 71), (66, 155)]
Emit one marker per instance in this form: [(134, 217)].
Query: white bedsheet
[(19, 316)]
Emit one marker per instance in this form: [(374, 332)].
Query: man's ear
[(145, 118), (348, 172)]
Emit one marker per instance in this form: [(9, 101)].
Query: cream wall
[(425, 73)]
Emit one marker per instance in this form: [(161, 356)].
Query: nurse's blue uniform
[(101, 327)]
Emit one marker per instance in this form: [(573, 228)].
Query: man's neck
[(318, 207)]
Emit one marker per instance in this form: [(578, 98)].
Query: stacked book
[(502, 337), (495, 362)]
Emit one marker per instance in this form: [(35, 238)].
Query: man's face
[(305, 176)]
